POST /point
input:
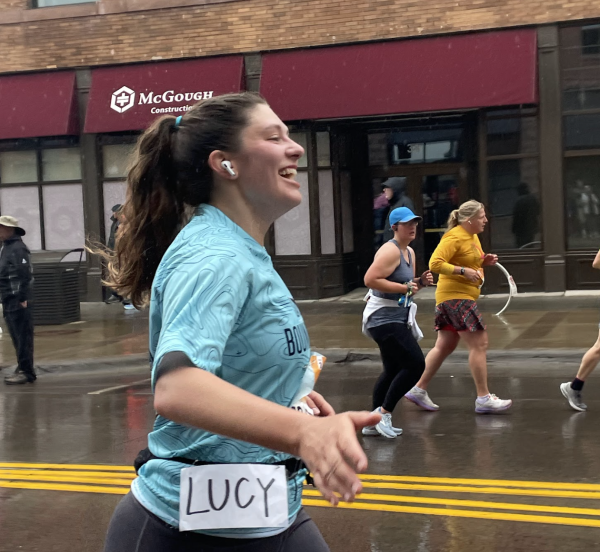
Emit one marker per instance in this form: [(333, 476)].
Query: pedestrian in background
[(15, 290), (459, 260)]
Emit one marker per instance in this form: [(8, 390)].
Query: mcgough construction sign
[(131, 97)]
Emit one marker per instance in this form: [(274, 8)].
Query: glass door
[(431, 191)]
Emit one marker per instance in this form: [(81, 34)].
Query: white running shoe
[(384, 428), (372, 430), (574, 397), (421, 398), (491, 405)]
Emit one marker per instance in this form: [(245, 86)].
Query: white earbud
[(227, 166)]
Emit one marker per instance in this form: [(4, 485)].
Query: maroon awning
[(131, 97), (427, 74), (40, 104)]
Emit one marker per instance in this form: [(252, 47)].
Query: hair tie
[(178, 120)]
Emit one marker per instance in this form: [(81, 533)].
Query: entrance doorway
[(435, 190)]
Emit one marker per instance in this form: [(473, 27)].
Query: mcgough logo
[(124, 99)]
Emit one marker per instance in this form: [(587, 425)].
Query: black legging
[(403, 364), (135, 529)]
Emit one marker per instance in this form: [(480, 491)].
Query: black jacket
[(15, 273)]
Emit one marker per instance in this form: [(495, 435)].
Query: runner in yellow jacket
[(459, 260)]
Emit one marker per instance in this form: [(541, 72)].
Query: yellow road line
[(493, 482), (447, 512), (483, 490), (469, 503), (59, 478), (100, 467), (73, 475), (64, 487)]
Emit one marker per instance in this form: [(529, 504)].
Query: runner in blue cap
[(386, 318)]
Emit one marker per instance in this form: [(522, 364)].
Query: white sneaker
[(372, 430), (491, 405), (574, 397), (384, 428), (421, 398)]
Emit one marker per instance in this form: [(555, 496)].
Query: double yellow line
[(382, 493)]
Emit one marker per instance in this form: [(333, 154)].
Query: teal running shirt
[(217, 298)]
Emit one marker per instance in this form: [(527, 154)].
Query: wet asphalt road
[(525, 481)]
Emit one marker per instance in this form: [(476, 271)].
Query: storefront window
[(416, 145), (63, 216), (327, 212), (582, 185), (18, 166), (347, 221), (48, 205), (292, 230), (580, 77), (302, 139), (582, 131), (580, 67), (512, 145), (514, 203), (323, 149), (23, 202), (506, 136), (61, 164), (115, 159)]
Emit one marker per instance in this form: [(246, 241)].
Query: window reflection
[(514, 203), (412, 145), (582, 183)]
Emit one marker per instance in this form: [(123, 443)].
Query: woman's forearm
[(195, 397)]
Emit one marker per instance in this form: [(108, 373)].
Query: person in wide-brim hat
[(12, 222)]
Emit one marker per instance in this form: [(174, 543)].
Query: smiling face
[(405, 232), (266, 164), (478, 222)]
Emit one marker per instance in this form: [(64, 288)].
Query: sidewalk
[(556, 325)]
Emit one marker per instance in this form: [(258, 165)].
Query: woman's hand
[(426, 278), (332, 453), (472, 275), (319, 405), (490, 259)]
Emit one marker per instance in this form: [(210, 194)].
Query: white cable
[(512, 287)]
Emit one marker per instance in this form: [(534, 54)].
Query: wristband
[(421, 282)]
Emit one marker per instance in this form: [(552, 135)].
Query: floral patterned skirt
[(458, 315)]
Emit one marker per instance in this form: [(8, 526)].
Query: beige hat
[(12, 222)]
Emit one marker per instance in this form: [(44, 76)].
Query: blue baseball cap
[(401, 215)]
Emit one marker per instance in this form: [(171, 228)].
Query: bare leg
[(445, 344), (589, 361), (477, 343)]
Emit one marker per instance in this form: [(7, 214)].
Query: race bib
[(233, 496)]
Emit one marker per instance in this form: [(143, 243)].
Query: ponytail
[(452, 220), (465, 212), (169, 177)]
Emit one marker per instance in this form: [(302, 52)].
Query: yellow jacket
[(456, 248)]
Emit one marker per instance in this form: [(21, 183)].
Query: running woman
[(390, 278), (572, 390), (228, 345), (459, 259)]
